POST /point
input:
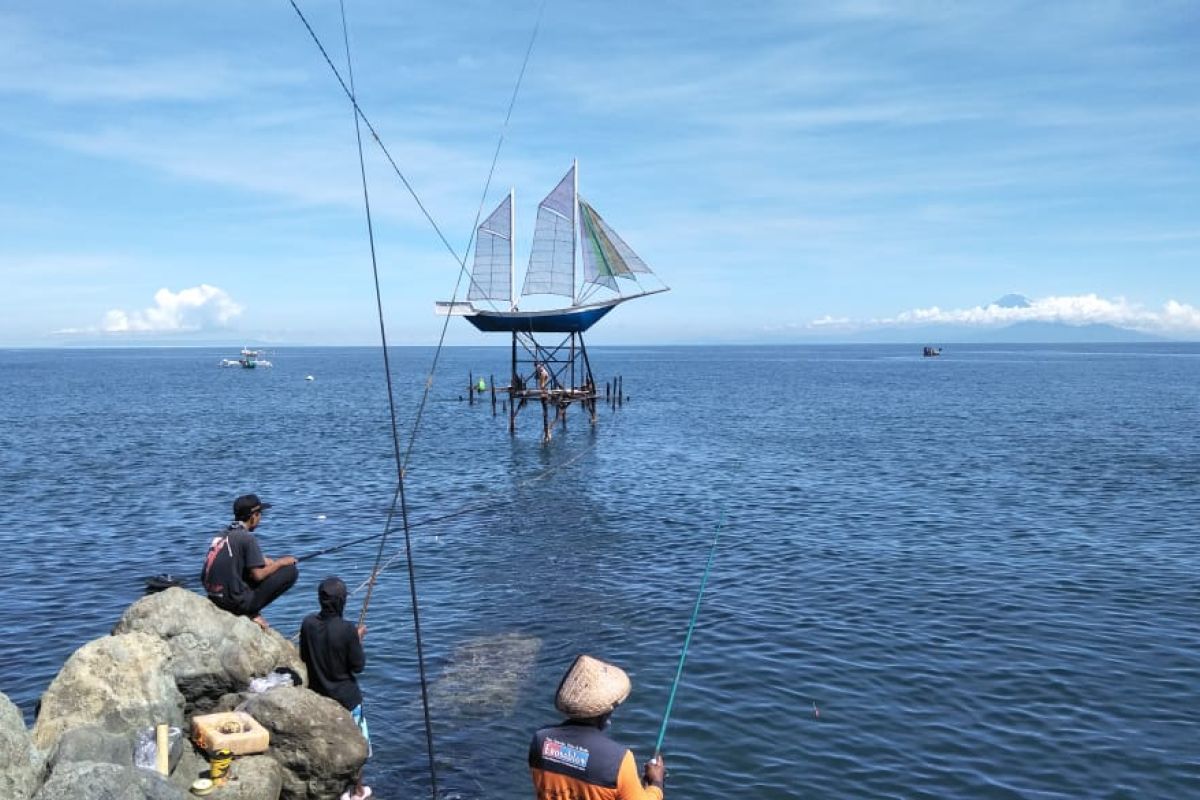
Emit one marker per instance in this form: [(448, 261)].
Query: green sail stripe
[(605, 250)]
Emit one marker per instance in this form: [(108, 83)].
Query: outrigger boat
[(565, 223), (249, 359)]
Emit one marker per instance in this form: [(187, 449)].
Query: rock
[(21, 766), (313, 738), (119, 682), (95, 744), (212, 651), (192, 765), (90, 780), (250, 777)]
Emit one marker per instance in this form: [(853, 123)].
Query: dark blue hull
[(575, 320)]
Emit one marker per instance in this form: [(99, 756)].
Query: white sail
[(552, 256), (605, 255), (491, 276)]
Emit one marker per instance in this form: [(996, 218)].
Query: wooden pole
[(470, 388), (545, 420), (512, 390), (620, 390), (162, 753), (492, 378)]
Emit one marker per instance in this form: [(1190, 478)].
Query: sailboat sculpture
[(565, 223)]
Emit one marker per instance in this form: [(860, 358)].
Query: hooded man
[(576, 758), (236, 574), (332, 651)]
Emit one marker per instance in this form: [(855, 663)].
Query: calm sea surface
[(981, 569)]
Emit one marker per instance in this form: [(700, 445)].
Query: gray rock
[(249, 777), (89, 780), (253, 778), (118, 682), (21, 765), (313, 738), (95, 744), (212, 651)]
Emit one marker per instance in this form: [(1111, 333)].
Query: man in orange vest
[(576, 760)]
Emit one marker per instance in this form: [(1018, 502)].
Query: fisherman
[(236, 574), (543, 376), (576, 758), (332, 650)]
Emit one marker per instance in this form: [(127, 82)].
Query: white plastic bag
[(145, 750)]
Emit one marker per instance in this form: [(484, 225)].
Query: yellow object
[(162, 749), (202, 786), (218, 765), (235, 731)]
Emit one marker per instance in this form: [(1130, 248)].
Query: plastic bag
[(145, 750), (276, 678)]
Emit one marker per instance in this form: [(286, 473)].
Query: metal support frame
[(569, 379)]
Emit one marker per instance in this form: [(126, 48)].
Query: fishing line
[(474, 227), (712, 551), (401, 462), (399, 494)]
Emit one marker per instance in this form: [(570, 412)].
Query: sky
[(183, 173)]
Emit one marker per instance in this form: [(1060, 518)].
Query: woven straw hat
[(591, 688)]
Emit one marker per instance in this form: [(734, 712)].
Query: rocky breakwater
[(173, 655)]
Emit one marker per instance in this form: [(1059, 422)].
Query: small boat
[(931, 352), (250, 359), (566, 223)]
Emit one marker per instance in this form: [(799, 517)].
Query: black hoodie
[(330, 647)]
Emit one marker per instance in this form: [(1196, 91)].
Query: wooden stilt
[(492, 378)]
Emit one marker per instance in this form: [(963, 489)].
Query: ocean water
[(971, 576)]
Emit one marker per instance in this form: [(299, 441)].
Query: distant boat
[(931, 352), (565, 223), (250, 359)]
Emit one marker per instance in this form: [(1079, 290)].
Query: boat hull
[(575, 320)]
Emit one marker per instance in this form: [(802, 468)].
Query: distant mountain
[(1012, 301)]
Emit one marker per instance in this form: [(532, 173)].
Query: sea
[(970, 576)]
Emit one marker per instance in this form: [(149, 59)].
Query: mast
[(512, 247), (574, 227)]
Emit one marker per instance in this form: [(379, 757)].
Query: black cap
[(246, 505)]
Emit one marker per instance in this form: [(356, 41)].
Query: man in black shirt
[(332, 650), (236, 574)]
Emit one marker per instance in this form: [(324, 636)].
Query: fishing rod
[(712, 551)]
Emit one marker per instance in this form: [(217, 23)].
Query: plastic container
[(235, 731)]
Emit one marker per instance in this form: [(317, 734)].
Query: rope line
[(712, 551), (478, 213), (399, 494)]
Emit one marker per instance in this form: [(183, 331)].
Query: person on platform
[(332, 651), (237, 576), (576, 758)]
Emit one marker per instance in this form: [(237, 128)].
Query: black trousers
[(275, 584)]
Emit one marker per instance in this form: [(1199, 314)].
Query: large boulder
[(212, 651), (118, 682), (21, 765), (86, 780), (93, 743), (249, 777), (313, 738)]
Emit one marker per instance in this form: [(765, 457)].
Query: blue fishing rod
[(712, 551)]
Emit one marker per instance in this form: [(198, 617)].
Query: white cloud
[(1084, 309), (199, 308)]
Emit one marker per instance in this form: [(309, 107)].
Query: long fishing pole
[(712, 551)]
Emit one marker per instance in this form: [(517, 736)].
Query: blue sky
[(790, 169)]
